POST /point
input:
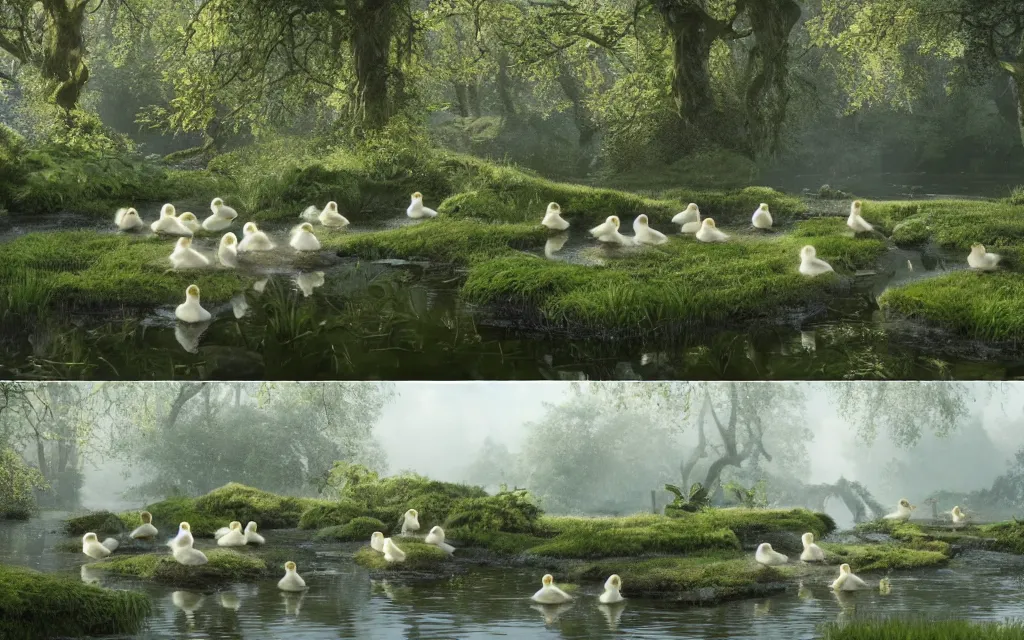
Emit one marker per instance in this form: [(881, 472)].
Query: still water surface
[(344, 602)]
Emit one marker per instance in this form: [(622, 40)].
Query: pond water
[(342, 600), (341, 318)]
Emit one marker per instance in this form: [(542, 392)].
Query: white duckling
[(185, 257), (377, 541), (709, 232), (769, 557), (762, 218), (611, 594), (811, 265), (549, 593), (302, 238), (233, 537), (227, 252), (608, 231), (306, 282), (959, 517), (221, 532), (410, 522), (847, 580), (688, 219), (981, 259), (183, 538), (416, 208), (330, 217), (168, 224), (856, 221), (811, 552), (92, 547), (127, 219), (189, 220), (251, 537), (391, 551), (253, 239), (553, 218), (222, 217), (644, 234), (191, 311), (188, 556), (146, 530), (291, 581), (902, 511), (436, 538)]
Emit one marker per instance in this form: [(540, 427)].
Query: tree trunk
[(462, 99), (581, 113), (693, 33), (508, 105), (64, 51), (767, 94), (373, 26), (474, 99), (1016, 71)]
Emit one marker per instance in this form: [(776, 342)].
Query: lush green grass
[(418, 557), (904, 629), (748, 524), (726, 574), (872, 557), (36, 605), (1008, 536), (630, 536), (224, 566), (85, 268), (987, 306), (683, 281), (100, 522), (903, 531), (360, 528), (952, 224)]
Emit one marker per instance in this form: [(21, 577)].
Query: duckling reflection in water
[(803, 592), (551, 612), (554, 244), (292, 602), (762, 608), (229, 600), (189, 602), (306, 282), (90, 574), (612, 613), (189, 335)]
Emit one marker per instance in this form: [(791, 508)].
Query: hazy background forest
[(594, 448), (628, 93)]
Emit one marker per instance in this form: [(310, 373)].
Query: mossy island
[(224, 566)]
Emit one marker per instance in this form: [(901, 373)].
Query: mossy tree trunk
[(742, 437), (508, 105), (462, 99), (373, 30), (64, 50), (1015, 69), (767, 93)]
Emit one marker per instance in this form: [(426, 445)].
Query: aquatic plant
[(36, 605), (224, 566), (919, 629)]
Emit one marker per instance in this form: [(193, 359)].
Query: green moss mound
[(749, 524), (100, 522), (224, 566), (630, 536), (36, 605), (903, 629), (84, 268), (705, 578), (903, 531), (356, 529), (233, 501), (507, 523), (1006, 536), (332, 514), (872, 557), (418, 557)]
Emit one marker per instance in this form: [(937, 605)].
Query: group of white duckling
[(690, 222), (184, 226), (183, 549)]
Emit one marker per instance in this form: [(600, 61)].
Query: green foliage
[(1008, 536), (750, 524), (876, 557), (418, 557), (504, 523), (986, 306), (756, 497), (909, 629), (35, 605), (18, 483), (225, 566), (1016, 197), (911, 231), (697, 499), (630, 536), (356, 529), (332, 514), (707, 577)]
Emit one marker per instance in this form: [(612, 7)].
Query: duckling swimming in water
[(644, 234), (417, 210), (291, 581), (92, 547), (709, 232), (611, 594), (549, 593), (847, 580), (128, 219), (168, 224), (146, 529), (982, 260), (688, 219), (302, 238), (769, 557), (191, 311), (608, 232), (553, 218), (762, 218), (227, 252), (253, 239), (811, 265), (185, 257)]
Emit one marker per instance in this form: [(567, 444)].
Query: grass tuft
[(904, 629)]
